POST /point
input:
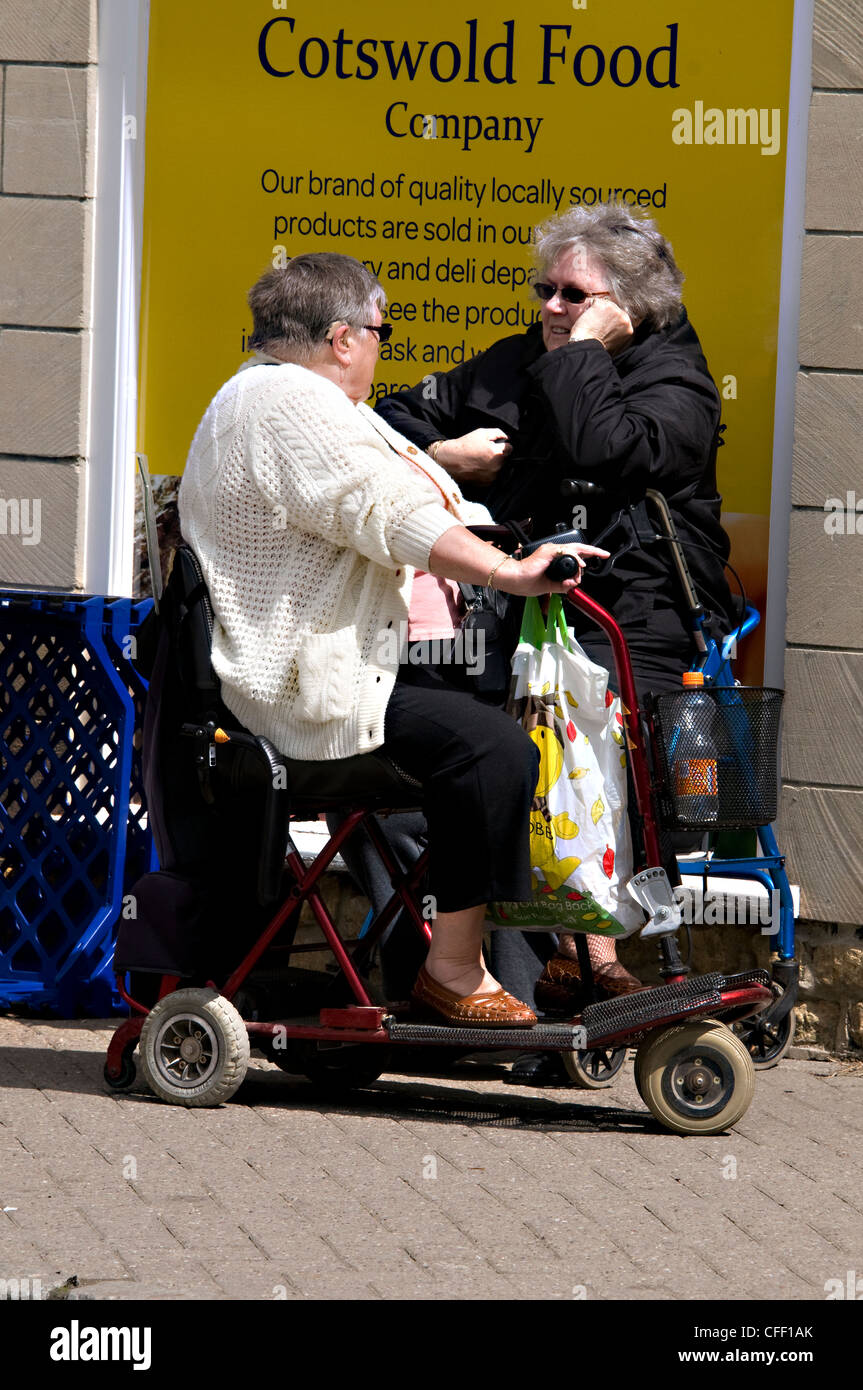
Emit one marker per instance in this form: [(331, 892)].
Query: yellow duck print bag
[(581, 850)]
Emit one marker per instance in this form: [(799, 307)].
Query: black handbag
[(486, 642), (490, 626)]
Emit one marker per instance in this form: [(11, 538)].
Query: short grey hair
[(293, 307), (636, 258)]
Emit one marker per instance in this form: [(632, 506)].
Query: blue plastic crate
[(72, 816)]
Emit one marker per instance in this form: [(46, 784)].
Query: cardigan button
[(398, 572), (411, 449), (390, 623)]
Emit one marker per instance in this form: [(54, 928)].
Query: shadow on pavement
[(394, 1096)]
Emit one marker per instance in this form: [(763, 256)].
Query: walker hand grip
[(562, 567)]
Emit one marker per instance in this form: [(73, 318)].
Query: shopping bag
[(581, 848)]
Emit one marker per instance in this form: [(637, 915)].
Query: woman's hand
[(528, 577), (461, 556), (604, 322), (475, 457)]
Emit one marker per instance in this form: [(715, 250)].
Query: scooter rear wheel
[(696, 1078), (194, 1048), (595, 1068)]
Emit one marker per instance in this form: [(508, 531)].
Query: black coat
[(646, 418)]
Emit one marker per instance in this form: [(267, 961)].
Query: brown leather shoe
[(560, 984), (498, 1010)]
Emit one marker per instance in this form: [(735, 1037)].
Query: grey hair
[(636, 258), (294, 307)]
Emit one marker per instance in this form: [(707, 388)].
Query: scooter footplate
[(747, 977), (566, 1036), (637, 1010)]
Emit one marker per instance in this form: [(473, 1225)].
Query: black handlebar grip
[(562, 567)]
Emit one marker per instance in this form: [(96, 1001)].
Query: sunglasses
[(383, 330), (545, 291)]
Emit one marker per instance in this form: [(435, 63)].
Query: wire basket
[(717, 750)]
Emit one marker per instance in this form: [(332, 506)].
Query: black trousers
[(478, 769), (517, 959)]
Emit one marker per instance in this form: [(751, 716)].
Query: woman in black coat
[(611, 389)]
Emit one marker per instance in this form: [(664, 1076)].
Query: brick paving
[(452, 1186)]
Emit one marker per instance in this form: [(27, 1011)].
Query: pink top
[(436, 604), (436, 607)]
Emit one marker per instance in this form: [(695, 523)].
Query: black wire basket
[(716, 751)]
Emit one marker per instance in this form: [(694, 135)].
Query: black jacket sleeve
[(430, 410), (653, 427)]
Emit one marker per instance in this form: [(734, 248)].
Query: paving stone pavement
[(452, 1186)]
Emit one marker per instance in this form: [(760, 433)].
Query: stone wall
[(47, 186), (821, 823)]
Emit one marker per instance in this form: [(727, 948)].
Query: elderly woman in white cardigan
[(320, 531)]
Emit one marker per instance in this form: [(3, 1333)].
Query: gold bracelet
[(488, 582), (433, 448)]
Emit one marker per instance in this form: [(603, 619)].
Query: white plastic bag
[(581, 848)]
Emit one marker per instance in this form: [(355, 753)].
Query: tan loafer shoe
[(498, 1010), (560, 986)]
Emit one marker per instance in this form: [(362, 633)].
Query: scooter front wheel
[(695, 1078)]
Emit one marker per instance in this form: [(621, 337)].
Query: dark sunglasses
[(545, 290), (383, 330)]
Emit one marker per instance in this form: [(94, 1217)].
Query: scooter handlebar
[(563, 566)]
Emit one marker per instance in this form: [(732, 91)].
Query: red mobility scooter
[(210, 967)]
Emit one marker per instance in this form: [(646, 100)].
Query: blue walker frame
[(768, 868)]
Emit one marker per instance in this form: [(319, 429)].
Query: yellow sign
[(429, 144)]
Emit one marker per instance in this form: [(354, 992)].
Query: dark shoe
[(498, 1010), (538, 1069), (560, 986)]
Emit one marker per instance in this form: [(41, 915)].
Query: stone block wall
[(821, 823), (47, 187)]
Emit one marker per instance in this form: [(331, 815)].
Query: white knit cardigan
[(309, 521)]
